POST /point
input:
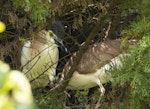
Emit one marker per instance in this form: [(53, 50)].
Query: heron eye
[(51, 34)]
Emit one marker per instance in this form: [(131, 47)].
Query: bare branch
[(115, 21)]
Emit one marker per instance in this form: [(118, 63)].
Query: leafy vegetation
[(127, 20)]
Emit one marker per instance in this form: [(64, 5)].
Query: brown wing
[(95, 57)]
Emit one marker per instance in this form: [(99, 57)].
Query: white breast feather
[(39, 62), (85, 81)]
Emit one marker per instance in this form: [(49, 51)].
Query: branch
[(115, 21)]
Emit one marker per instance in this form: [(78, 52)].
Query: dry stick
[(83, 48), (107, 31), (115, 21)]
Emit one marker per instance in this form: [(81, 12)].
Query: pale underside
[(102, 75), (39, 61)]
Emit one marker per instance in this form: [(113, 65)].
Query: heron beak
[(61, 44)]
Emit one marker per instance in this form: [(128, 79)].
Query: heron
[(39, 59), (95, 66)]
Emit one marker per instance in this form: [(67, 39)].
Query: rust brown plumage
[(96, 56)]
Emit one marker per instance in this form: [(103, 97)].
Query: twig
[(115, 21)]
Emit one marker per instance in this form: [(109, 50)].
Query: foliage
[(144, 8), (137, 74), (141, 27), (140, 81), (79, 18), (136, 70), (36, 10), (15, 90)]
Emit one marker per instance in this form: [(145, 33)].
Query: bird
[(95, 66), (39, 59), (57, 28)]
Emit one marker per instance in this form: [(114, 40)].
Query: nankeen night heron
[(39, 59), (95, 65)]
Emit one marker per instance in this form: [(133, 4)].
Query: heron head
[(57, 40)]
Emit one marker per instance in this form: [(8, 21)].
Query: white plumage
[(39, 59), (99, 77)]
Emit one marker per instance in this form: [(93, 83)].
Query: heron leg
[(102, 90)]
